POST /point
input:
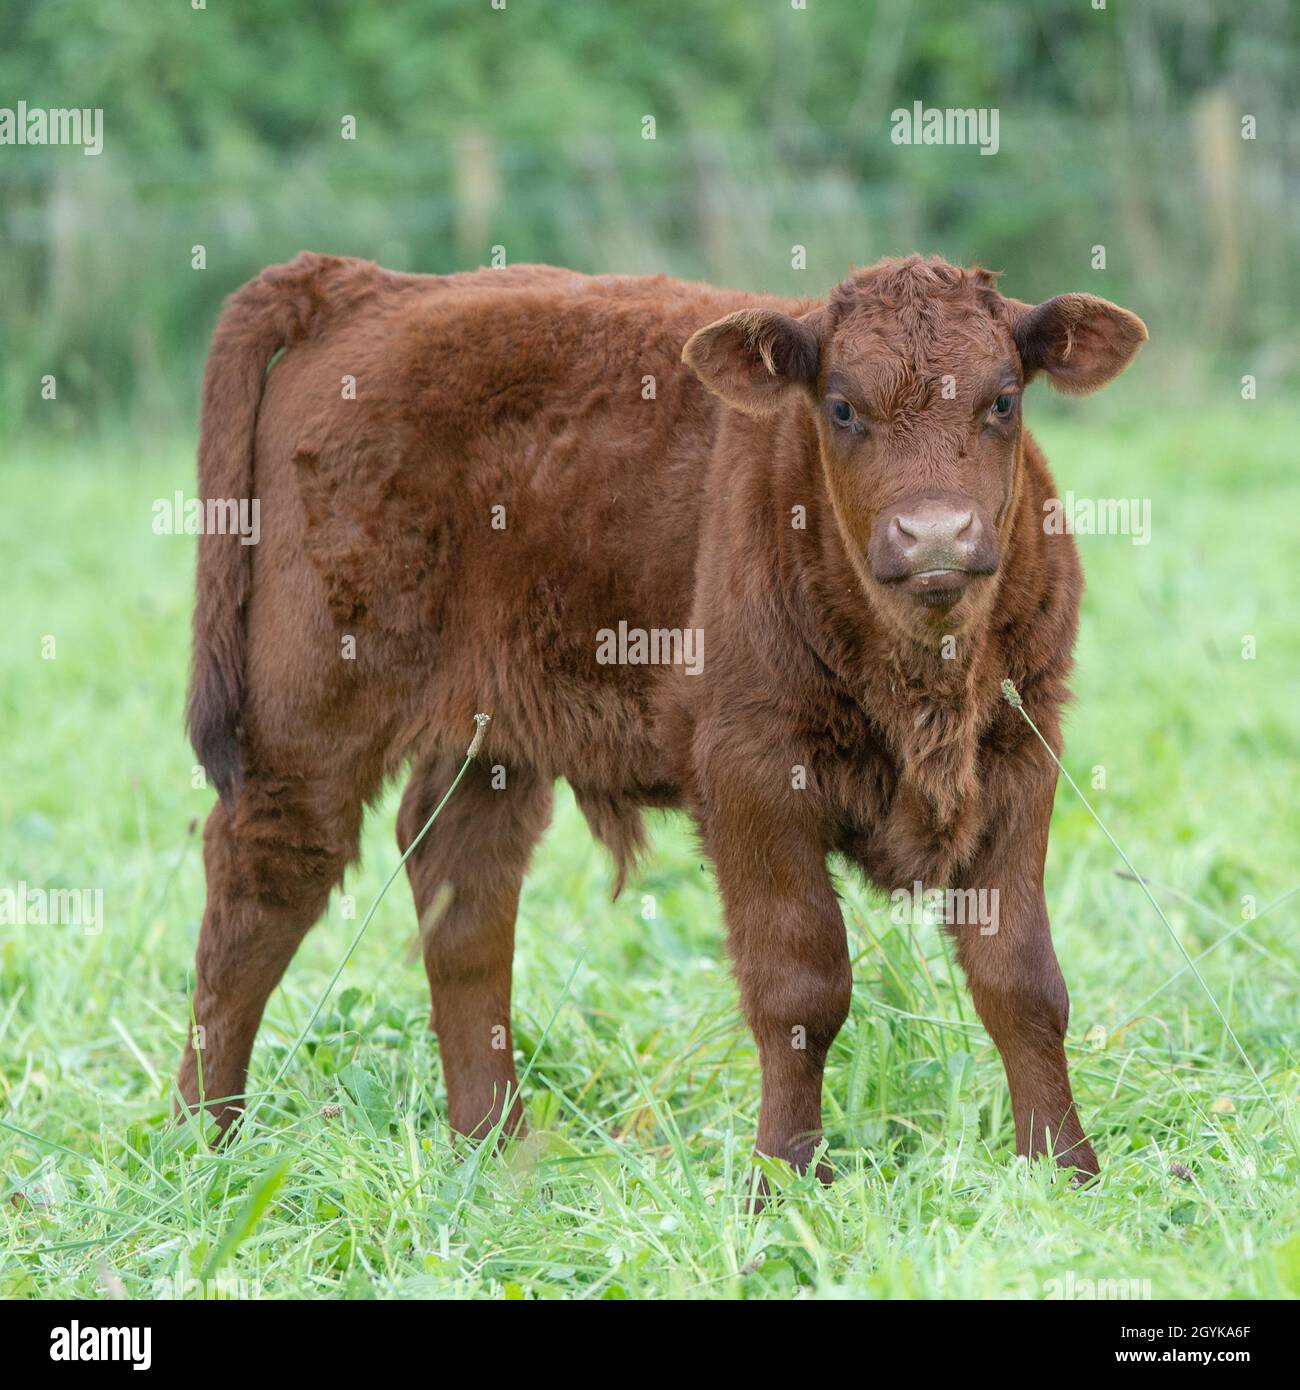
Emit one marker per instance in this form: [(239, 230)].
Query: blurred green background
[(522, 127)]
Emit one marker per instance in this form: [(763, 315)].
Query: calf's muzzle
[(932, 547)]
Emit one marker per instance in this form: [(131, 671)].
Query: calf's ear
[(1080, 341), (752, 358)]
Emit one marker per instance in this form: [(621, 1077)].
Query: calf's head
[(911, 376)]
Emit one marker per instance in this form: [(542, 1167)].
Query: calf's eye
[(845, 416), (1003, 406)]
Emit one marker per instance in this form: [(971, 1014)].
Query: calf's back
[(475, 476)]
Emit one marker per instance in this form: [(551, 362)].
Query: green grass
[(643, 1083)]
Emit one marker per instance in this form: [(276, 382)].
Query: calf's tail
[(273, 311)]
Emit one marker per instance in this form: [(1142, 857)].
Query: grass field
[(642, 1082)]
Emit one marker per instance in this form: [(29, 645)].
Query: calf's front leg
[(1015, 981), (787, 941)]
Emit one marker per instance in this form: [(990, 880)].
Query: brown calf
[(768, 559)]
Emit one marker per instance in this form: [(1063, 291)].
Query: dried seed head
[(481, 723)]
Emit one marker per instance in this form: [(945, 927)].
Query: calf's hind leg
[(466, 875), (271, 862)]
